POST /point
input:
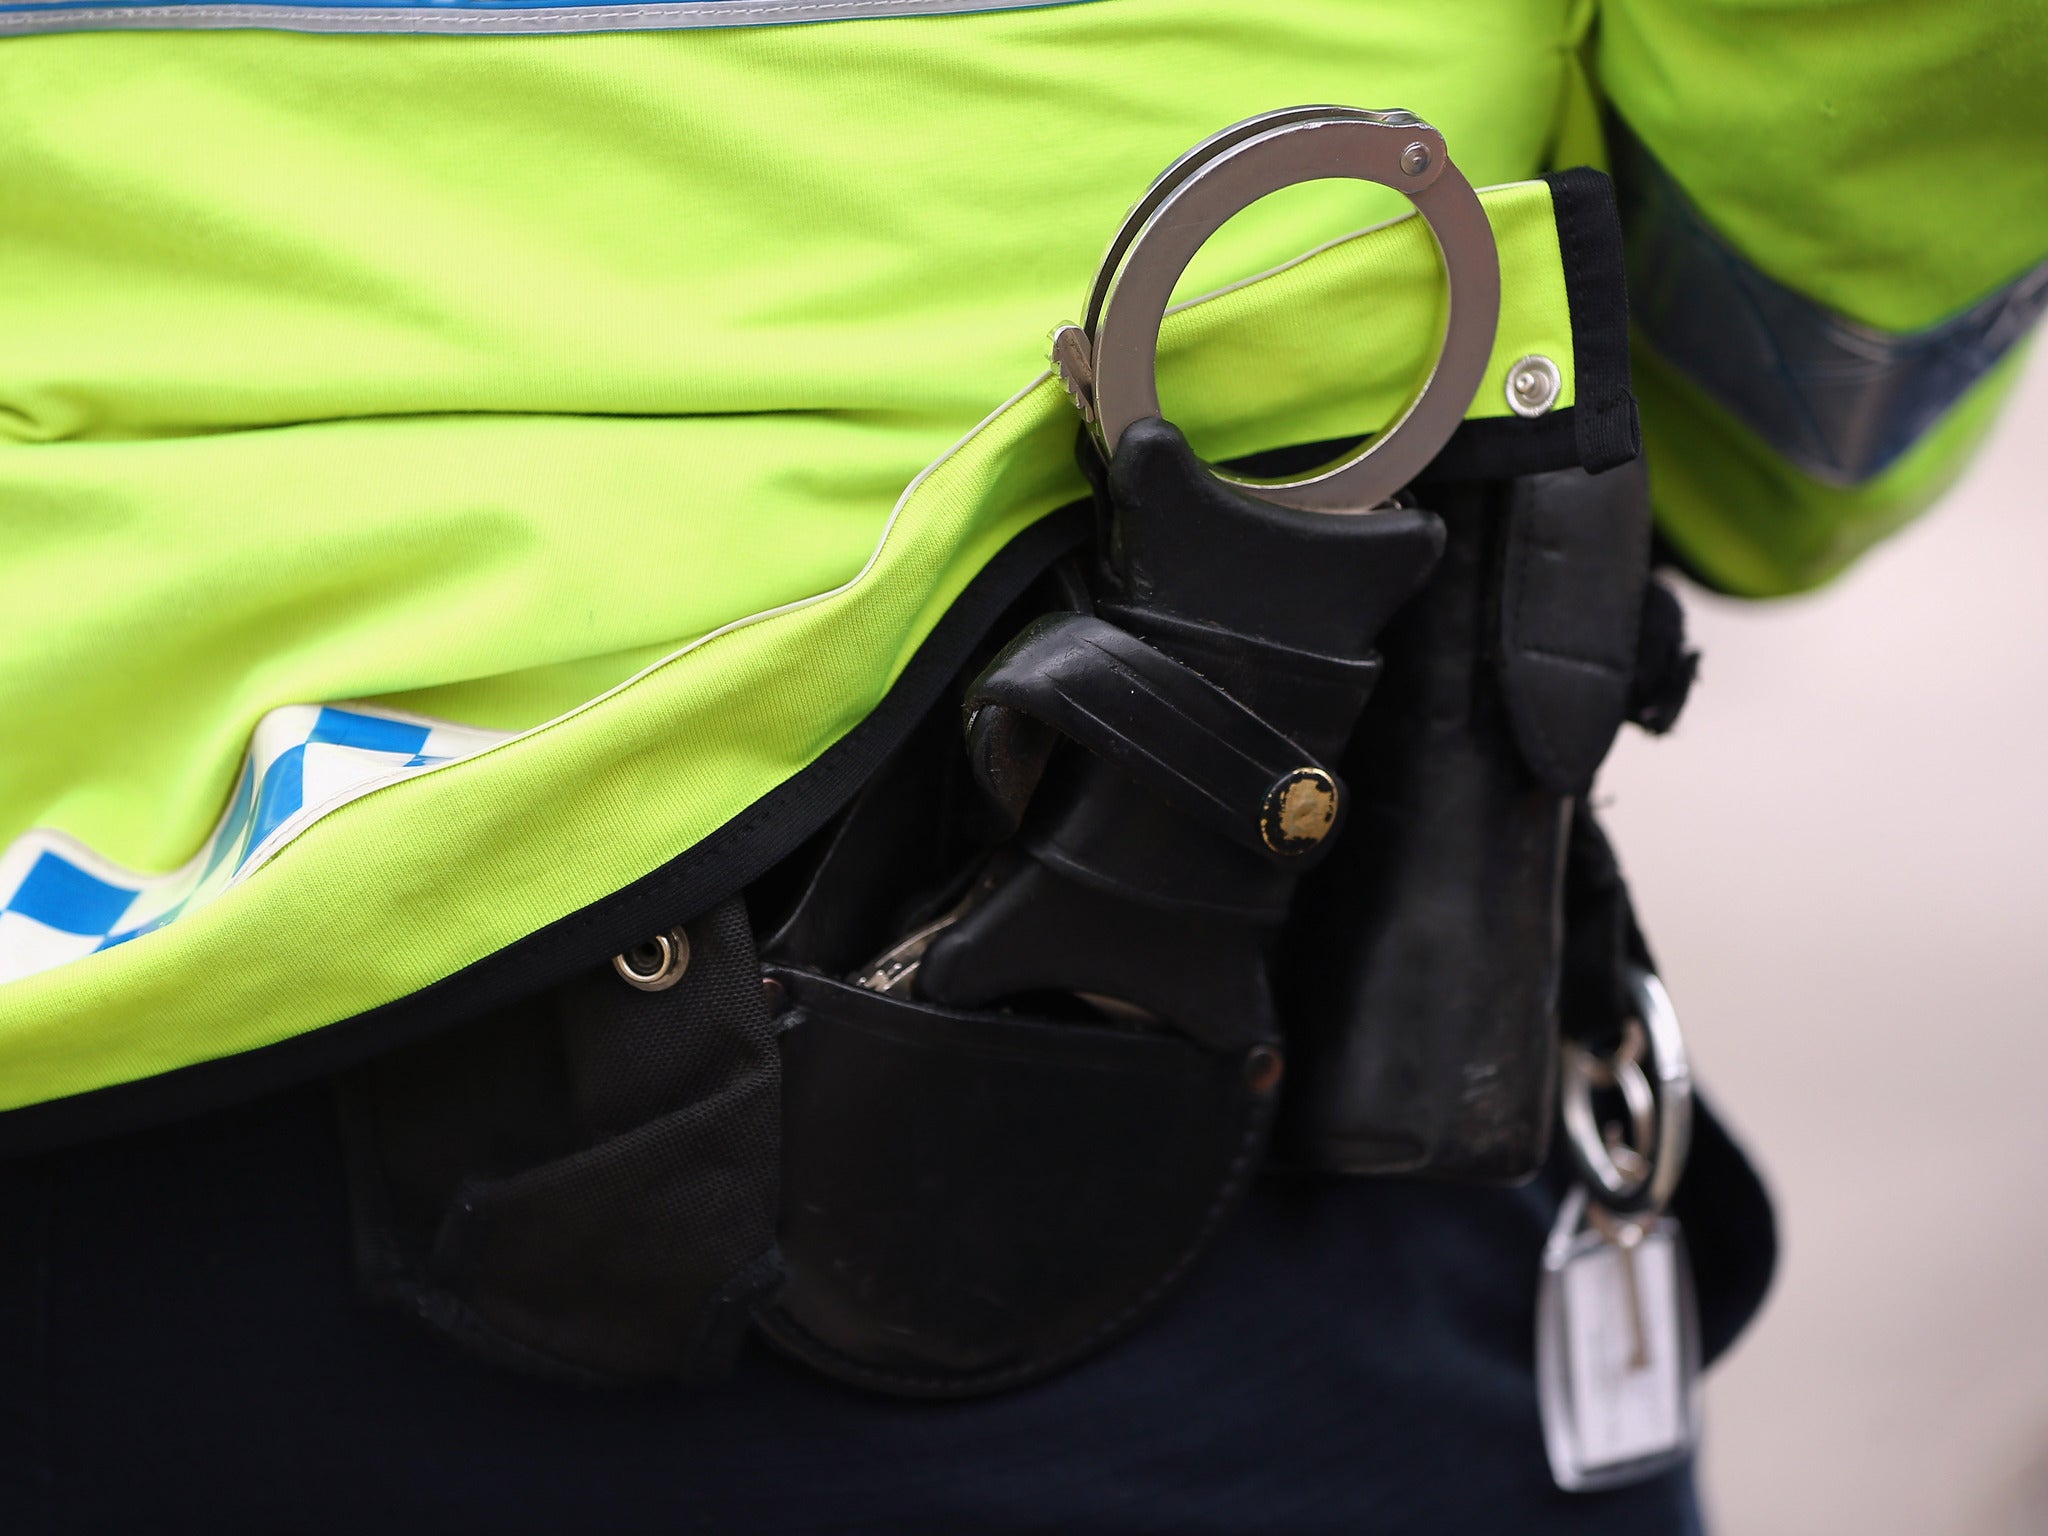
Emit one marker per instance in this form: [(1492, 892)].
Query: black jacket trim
[(1589, 238)]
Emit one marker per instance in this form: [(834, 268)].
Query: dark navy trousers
[(182, 1348)]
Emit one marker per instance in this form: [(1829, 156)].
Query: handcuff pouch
[(973, 1200)]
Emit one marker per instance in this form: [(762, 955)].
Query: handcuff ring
[(1220, 178)]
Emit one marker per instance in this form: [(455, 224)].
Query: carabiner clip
[(1632, 1169)]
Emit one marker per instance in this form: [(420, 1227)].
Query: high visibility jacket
[(461, 492)]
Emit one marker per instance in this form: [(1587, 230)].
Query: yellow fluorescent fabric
[(1762, 528), (412, 882), (476, 373), (1882, 157)]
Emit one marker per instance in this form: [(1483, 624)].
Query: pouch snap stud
[(656, 964)]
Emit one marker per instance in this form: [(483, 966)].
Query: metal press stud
[(1263, 1068), (656, 964), (1533, 385), (1299, 811)]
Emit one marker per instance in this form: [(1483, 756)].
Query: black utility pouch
[(974, 1200), (1424, 956), (583, 1184)]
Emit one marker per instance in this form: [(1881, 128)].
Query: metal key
[(1625, 1237), (1618, 1408)]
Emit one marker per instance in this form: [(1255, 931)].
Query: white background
[(1841, 857)]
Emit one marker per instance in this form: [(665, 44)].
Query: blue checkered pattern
[(59, 901)]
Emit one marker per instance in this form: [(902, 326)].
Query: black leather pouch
[(975, 1200), (1424, 958), (583, 1185)]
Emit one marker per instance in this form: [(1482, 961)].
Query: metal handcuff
[(1109, 361)]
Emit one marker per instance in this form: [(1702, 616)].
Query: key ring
[(1633, 1172), (1110, 361)]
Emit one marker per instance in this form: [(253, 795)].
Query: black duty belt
[(1256, 837)]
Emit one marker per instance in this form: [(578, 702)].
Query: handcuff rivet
[(1534, 384), (1073, 360), (1415, 159), (656, 964)]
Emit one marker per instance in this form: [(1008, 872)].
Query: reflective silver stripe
[(1840, 400), (448, 19)]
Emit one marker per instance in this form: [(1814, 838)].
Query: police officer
[(499, 506)]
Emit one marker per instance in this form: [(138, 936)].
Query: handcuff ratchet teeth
[(1632, 1169), (1109, 362)]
